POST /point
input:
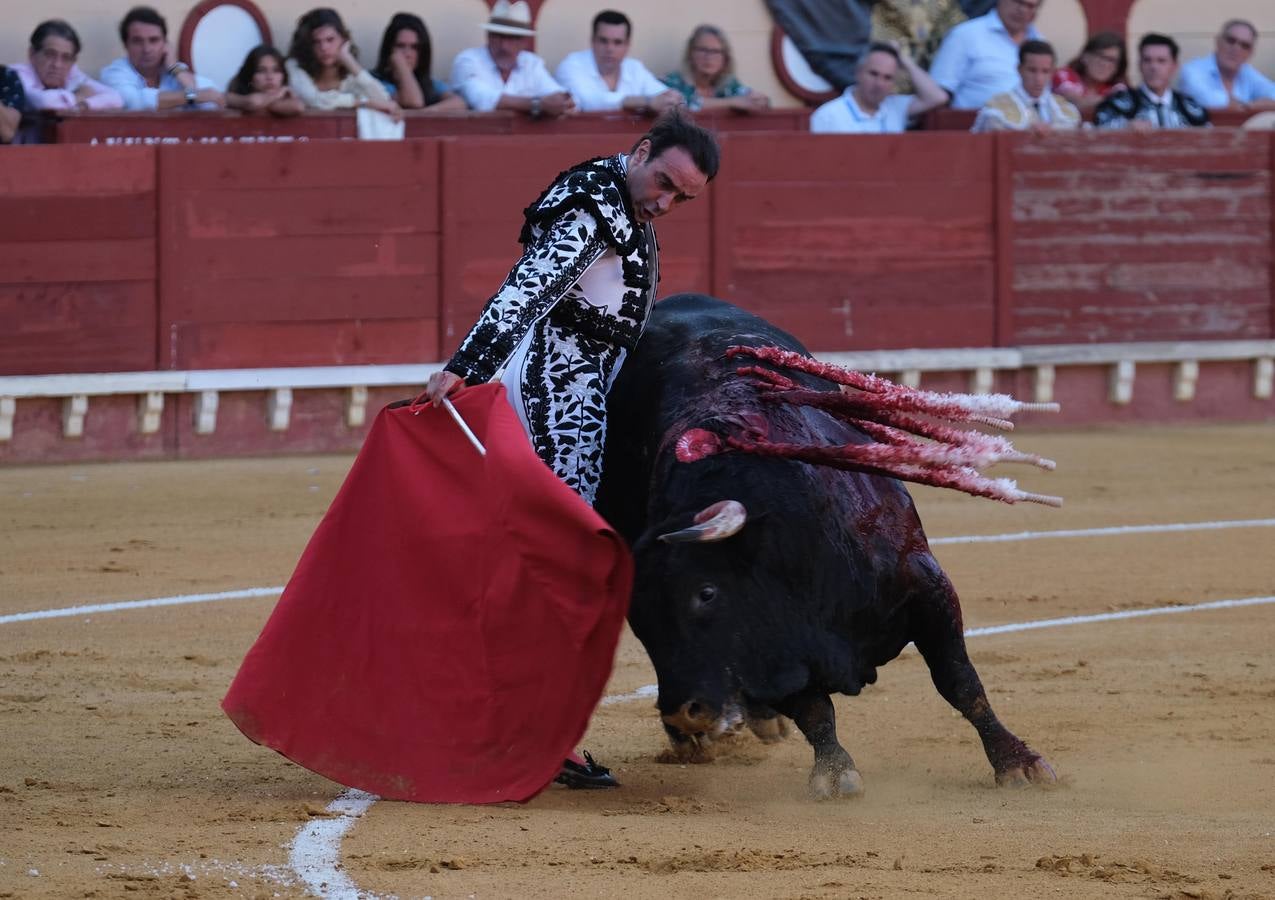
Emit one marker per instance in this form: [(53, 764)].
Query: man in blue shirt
[(1224, 79), (979, 58)]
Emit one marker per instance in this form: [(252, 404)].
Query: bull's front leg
[(834, 774), (941, 641)]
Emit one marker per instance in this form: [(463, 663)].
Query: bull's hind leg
[(834, 774), (941, 639)]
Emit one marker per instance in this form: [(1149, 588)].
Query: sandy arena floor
[(119, 777)]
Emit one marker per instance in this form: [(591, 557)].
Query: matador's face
[(657, 184)]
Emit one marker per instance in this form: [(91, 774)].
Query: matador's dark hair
[(675, 128)]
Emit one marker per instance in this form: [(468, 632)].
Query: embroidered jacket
[(1123, 107)]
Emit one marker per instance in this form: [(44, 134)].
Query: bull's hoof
[(825, 785), (1035, 771), (769, 731)]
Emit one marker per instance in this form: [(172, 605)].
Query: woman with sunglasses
[(707, 79), (1096, 72)]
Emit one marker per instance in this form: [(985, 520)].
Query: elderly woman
[(707, 79), (1095, 73), (52, 80), (404, 64), (324, 70)]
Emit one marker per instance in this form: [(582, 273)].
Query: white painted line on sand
[(178, 600), (1114, 531), (934, 542)]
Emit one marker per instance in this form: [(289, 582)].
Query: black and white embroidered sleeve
[(550, 264)]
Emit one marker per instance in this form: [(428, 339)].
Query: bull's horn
[(715, 523)]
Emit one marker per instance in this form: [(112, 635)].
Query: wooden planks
[(1128, 237), (299, 254), (77, 259), (858, 242)]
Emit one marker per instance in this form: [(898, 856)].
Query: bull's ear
[(714, 523)]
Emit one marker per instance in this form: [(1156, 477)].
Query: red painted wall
[(344, 252)]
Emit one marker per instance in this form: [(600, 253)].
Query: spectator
[(606, 77), (1154, 104), (12, 101), (261, 85), (504, 74), (324, 71), (979, 58), (1224, 79), (404, 64), (52, 80), (870, 106), (149, 77), (707, 79), (1030, 105), (1101, 68)]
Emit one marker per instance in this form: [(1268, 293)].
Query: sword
[(473, 439)]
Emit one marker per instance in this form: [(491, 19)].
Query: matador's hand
[(442, 384)]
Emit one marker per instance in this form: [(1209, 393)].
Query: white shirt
[(476, 78), (844, 116), (978, 60), (1201, 80), (132, 86), (579, 74)]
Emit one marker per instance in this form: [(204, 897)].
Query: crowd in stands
[(997, 64)]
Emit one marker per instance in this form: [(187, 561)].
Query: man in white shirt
[(504, 74), (148, 78), (1154, 104), (605, 77), (870, 106), (1030, 105), (979, 59), (1224, 79)]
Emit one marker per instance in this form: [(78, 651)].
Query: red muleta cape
[(452, 623)]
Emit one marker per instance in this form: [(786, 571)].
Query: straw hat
[(510, 18)]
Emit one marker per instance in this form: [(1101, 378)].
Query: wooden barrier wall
[(342, 252)]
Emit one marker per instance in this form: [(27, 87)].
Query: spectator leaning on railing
[(606, 77), (870, 106), (324, 69), (52, 80), (979, 58), (707, 79), (149, 77), (403, 67), (1154, 104), (1030, 105), (505, 74), (261, 85), (1100, 68), (1224, 79), (12, 101)]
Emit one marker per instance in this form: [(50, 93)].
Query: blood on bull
[(779, 557)]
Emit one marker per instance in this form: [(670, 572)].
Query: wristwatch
[(534, 112), (191, 96)]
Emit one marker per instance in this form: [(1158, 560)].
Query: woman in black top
[(12, 101)]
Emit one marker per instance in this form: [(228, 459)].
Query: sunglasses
[(1233, 41)]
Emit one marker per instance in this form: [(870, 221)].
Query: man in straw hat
[(576, 302), (505, 74)]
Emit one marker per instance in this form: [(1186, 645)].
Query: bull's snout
[(694, 717)]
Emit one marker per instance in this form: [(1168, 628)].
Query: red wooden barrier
[(290, 255), (77, 259), (1140, 237), (858, 242)]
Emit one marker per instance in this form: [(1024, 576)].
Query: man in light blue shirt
[(979, 59), (147, 77), (870, 105), (1224, 79)]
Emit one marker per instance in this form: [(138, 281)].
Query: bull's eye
[(707, 594)]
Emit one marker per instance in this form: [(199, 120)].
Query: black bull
[(828, 578)]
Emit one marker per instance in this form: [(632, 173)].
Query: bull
[(764, 585)]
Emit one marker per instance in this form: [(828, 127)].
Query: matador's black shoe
[(585, 775)]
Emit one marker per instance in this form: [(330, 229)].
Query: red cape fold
[(452, 623)]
